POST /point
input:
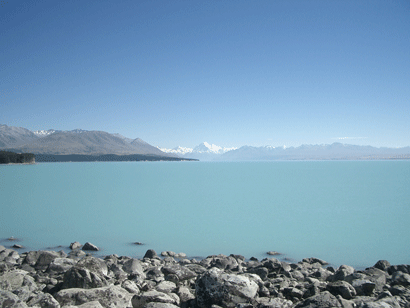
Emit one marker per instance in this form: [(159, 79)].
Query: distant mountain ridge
[(304, 152), (77, 141)]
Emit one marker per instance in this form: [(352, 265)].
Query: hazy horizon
[(230, 73)]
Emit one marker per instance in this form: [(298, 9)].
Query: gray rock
[(150, 254), (92, 304), (134, 267), (89, 246), (160, 305), (275, 302), (45, 258), (75, 245), (44, 300), (93, 264), (177, 273), (402, 268), (16, 279), (185, 294), (382, 303), (9, 255), (363, 287), (109, 296), (166, 287), (139, 301), (382, 265), (8, 299), (79, 277), (60, 265), (342, 272), (343, 288), (219, 288), (76, 254), (130, 286), (314, 260), (400, 278), (180, 255), (322, 300)]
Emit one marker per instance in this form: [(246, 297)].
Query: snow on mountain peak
[(203, 148)]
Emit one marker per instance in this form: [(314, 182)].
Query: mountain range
[(206, 151), (77, 141), (83, 142)]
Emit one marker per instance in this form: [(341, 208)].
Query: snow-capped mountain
[(203, 148), (204, 151), (44, 133)]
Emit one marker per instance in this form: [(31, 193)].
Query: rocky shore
[(57, 279)]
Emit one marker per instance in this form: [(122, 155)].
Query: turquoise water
[(345, 212)]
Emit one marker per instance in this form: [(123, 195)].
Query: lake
[(345, 212)]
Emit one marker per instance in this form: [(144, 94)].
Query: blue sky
[(231, 73)]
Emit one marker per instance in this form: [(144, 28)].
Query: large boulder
[(60, 265), (343, 288), (177, 273), (215, 287), (44, 258), (133, 267), (43, 300), (89, 246), (141, 300), (322, 300), (109, 296), (16, 279), (79, 277)]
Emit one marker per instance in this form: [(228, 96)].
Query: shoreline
[(49, 278)]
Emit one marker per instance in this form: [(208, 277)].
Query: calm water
[(345, 212)]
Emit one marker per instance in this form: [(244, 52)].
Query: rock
[(8, 299), (274, 302), (110, 296), (363, 287), (80, 277), (227, 290), (382, 265), (44, 259), (314, 260), (75, 245), (150, 254), (139, 301), (400, 278), (166, 287), (382, 303), (94, 265), (185, 294), (273, 253), (43, 300), (343, 288), (130, 286), (16, 279), (159, 305), (180, 255), (60, 265), (322, 300), (133, 267), (9, 255), (177, 273), (76, 254), (17, 246), (92, 304), (342, 272), (89, 246)]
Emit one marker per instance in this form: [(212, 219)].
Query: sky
[(231, 73)]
